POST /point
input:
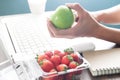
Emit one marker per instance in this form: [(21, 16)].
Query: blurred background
[(9, 7), (91, 5)]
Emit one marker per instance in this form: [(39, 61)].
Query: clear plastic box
[(28, 68), (68, 74)]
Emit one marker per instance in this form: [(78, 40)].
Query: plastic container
[(69, 74), (27, 68)]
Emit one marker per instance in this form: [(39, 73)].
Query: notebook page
[(104, 61)]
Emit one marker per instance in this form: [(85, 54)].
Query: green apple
[(62, 18)]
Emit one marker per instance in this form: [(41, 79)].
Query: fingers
[(79, 11), (76, 7), (67, 33), (50, 26), (54, 32)]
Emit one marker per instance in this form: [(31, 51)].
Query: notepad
[(103, 62)]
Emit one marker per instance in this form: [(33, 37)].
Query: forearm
[(109, 34), (111, 15)]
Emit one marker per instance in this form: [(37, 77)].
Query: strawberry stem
[(69, 50)]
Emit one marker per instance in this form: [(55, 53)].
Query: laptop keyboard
[(30, 40), (32, 36)]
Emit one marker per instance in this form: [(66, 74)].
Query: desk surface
[(105, 45)]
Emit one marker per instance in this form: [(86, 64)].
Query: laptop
[(26, 34)]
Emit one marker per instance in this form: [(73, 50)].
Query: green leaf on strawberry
[(69, 50)]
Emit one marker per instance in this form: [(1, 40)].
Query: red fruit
[(53, 70), (53, 75), (66, 59), (49, 53), (80, 61), (62, 67), (73, 64), (59, 53), (70, 76), (66, 53), (46, 65), (77, 58), (50, 78), (60, 77), (56, 60), (78, 72), (40, 57)]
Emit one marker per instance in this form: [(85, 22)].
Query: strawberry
[(46, 65), (52, 76), (73, 64), (78, 72), (53, 70), (59, 53), (60, 77), (56, 60), (48, 53), (40, 57), (62, 67), (69, 50), (49, 78), (70, 76), (75, 57), (66, 59), (66, 53)]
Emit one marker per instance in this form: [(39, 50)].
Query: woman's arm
[(86, 26), (111, 15), (109, 34)]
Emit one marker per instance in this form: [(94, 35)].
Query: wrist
[(98, 33), (107, 34)]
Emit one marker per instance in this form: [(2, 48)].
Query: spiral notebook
[(104, 62)]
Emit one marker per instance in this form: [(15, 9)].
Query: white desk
[(9, 73), (6, 71)]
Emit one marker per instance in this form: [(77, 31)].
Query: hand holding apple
[(62, 18), (85, 25)]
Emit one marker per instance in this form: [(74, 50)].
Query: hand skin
[(110, 16), (87, 25)]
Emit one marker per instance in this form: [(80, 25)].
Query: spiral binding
[(105, 71)]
